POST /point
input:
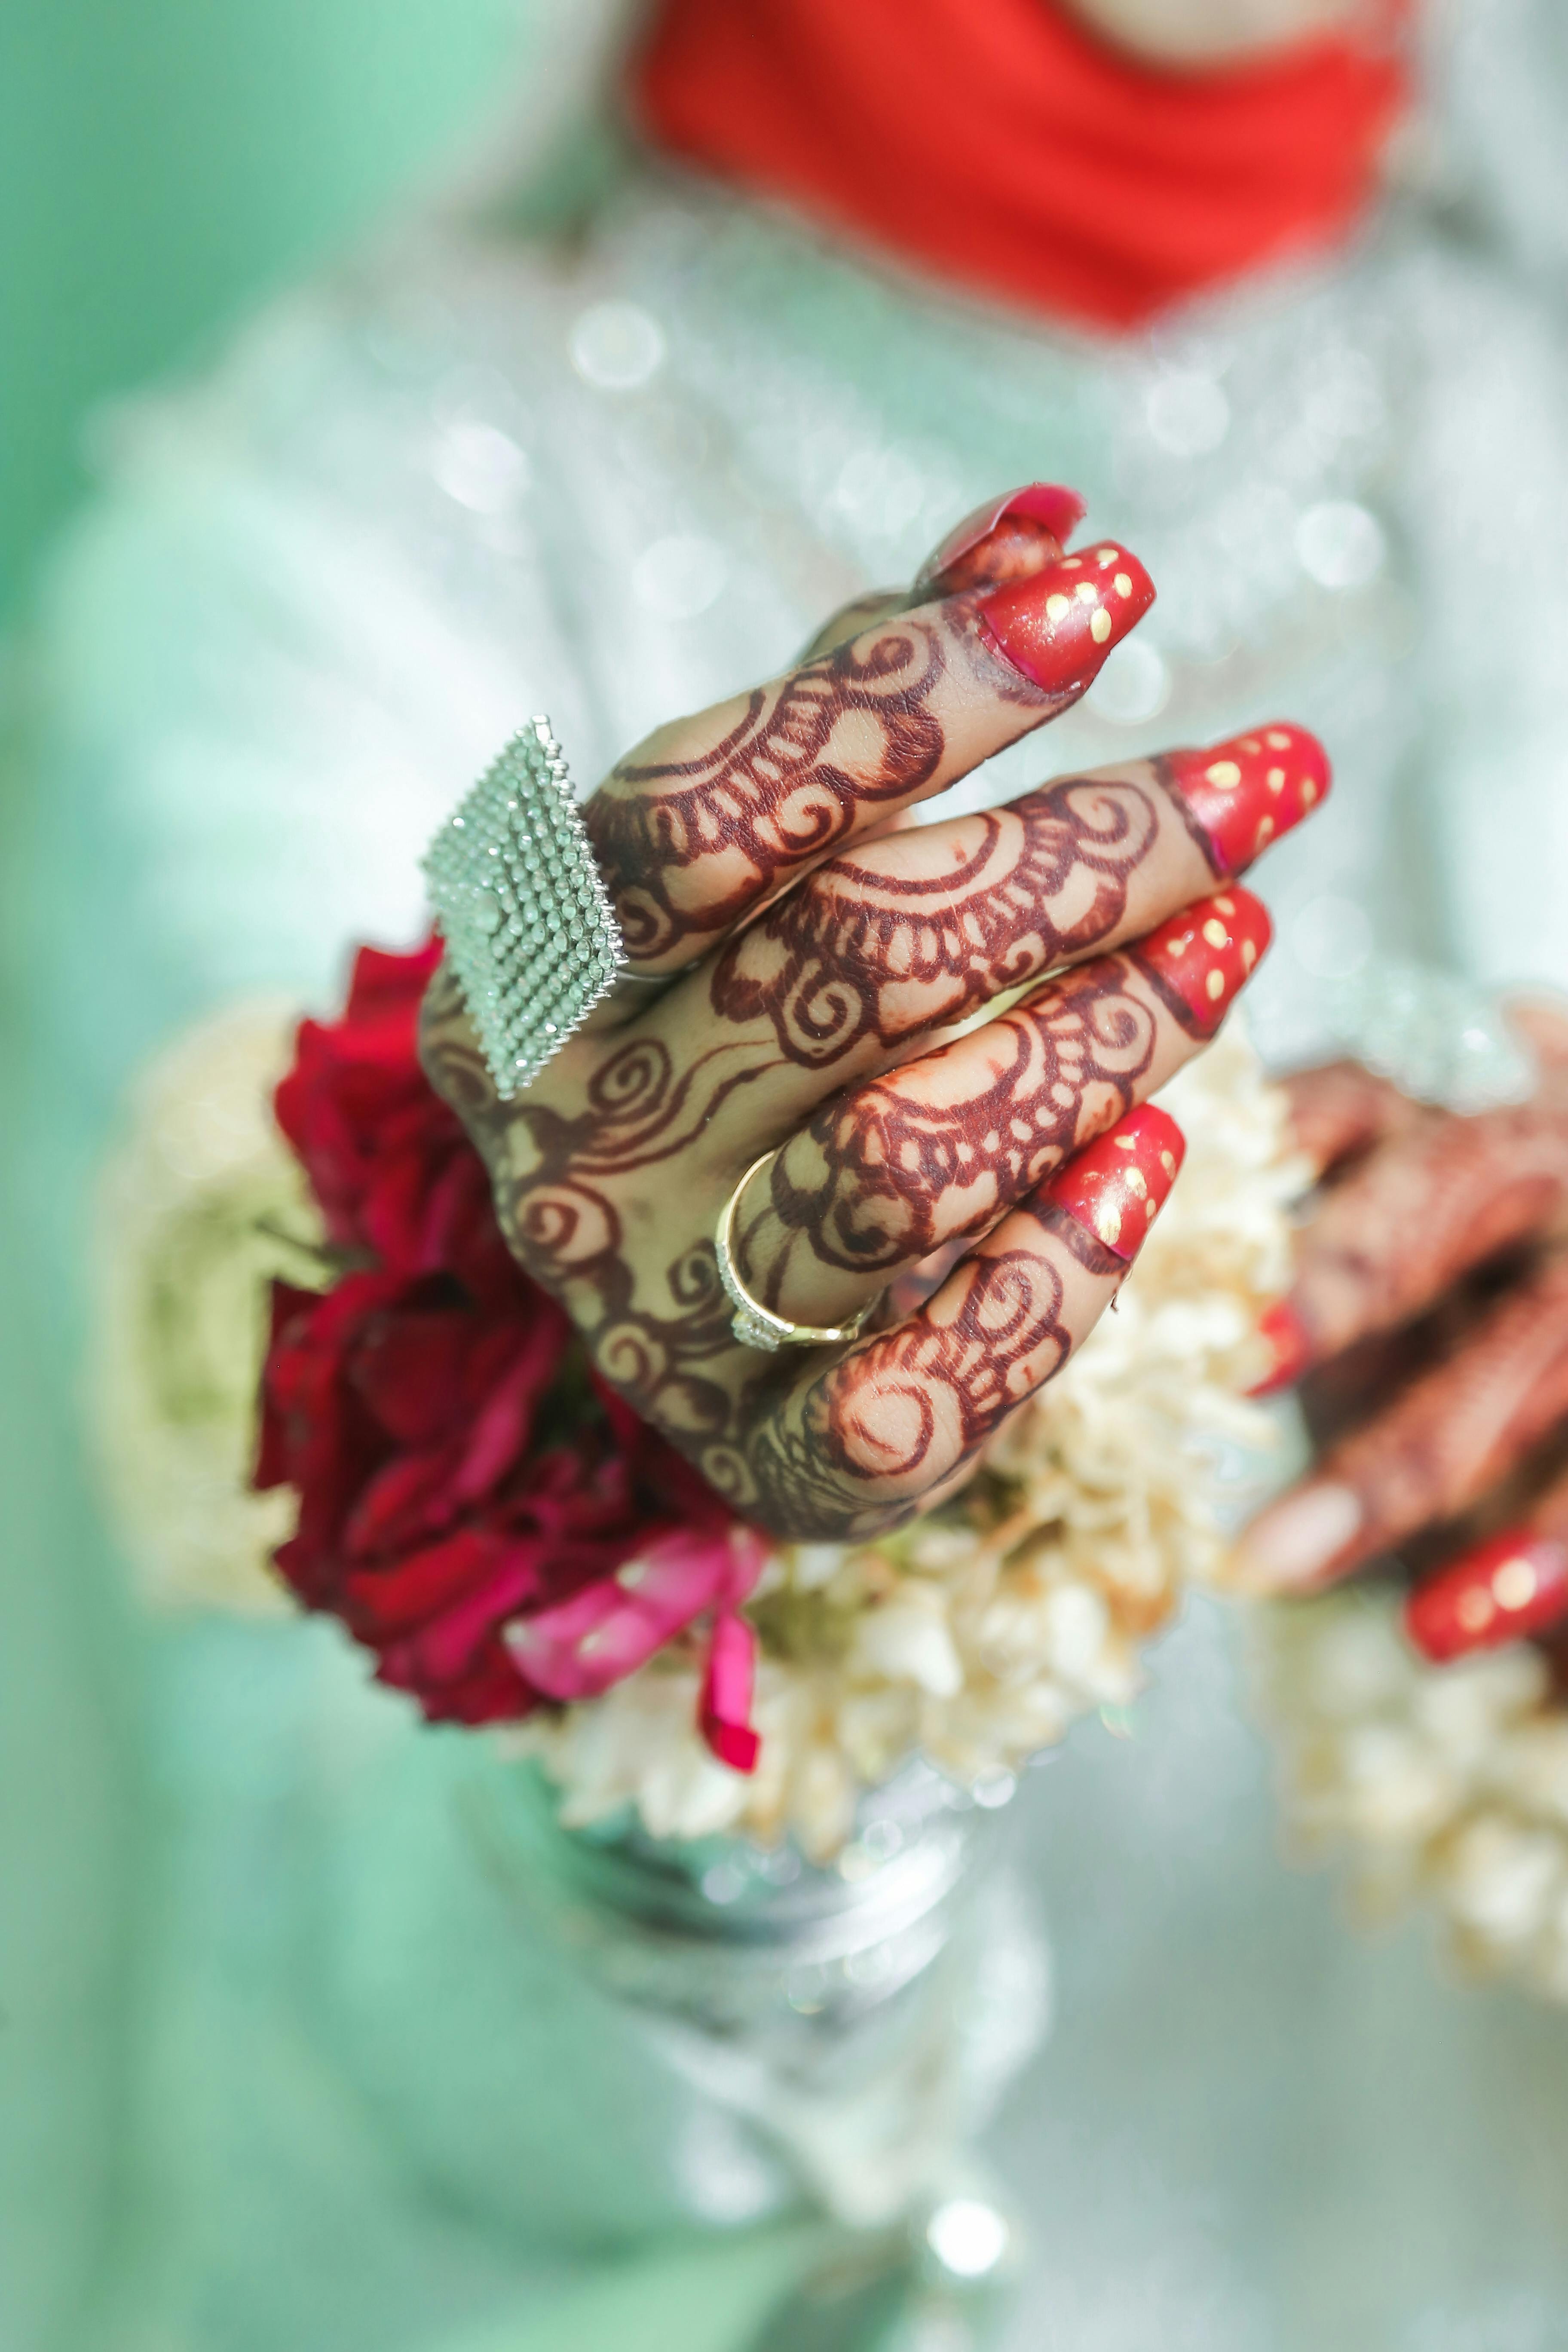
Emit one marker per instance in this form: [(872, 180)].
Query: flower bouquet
[(516, 1550)]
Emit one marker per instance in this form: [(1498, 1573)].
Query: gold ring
[(754, 1325)]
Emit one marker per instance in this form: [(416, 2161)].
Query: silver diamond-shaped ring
[(530, 934)]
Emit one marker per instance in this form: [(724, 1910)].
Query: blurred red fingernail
[(1289, 1350), (1203, 957), (1116, 1186), (1514, 1585), (1246, 792), (1056, 512), (1058, 626)]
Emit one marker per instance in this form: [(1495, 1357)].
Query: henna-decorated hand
[(1431, 1320), (825, 956)]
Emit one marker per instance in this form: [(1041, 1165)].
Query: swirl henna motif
[(909, 1409), (555, 1179), (862, 953), (689, 845), (884, 1175)]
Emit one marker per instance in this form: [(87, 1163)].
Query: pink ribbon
[(579, 1648)]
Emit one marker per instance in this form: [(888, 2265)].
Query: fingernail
[(1049, 513), (1116, 1186), (1514, 1585), (1246, 792), (1284, 1334), (1291, 1543), (1058, 626), (1203, 957)]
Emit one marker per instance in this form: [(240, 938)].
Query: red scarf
[(997, 145)]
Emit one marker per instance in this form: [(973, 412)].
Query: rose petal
[(724, 1710), (601, 1634)]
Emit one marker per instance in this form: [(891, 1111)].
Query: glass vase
[(858, 2018)]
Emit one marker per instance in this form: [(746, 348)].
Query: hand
[(1430, 1315), (822, 955)]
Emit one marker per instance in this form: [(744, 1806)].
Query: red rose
[(473, 1501), (397, 1177)]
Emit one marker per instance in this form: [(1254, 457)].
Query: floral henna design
[(917, 1402), (863, 953), (556, 1176), (883, 1175), (686, 848), (907, 1410)]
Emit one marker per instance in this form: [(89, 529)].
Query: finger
[(714, 814), (1005, 539), (1438, 1451), (1511, 1586), (1540, 1016), (915, 932), (1340, 1109), (890, 1170), (903, 1414), (1426, 1206)]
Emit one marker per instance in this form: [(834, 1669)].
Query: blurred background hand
[(1428, 1326)]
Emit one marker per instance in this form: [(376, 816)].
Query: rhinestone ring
[(754, 1325), (531, 936)]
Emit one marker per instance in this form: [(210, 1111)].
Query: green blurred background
[(163, 161)]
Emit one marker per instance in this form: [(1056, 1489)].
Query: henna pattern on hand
[(908, 1408), (663, 1337), (553, 1176), (883, 1175), (861, 953), (688, 846)]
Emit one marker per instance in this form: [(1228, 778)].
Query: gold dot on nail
[(1251, 746), (1274, 780), (1107, 1221), (1265, 832), (1276, 739), (1214, 985), (1168, 1163), (1127, 1143), (1086, 593), (1106, 556), (1225, 775), (1056, 605), (1226, 906), (1072, 564), (1514, 1584), (1248, 955), (1137, 1183), (1123, 584), (1475, 1610), (1100, 627), (1215, 933), (1309, 792)]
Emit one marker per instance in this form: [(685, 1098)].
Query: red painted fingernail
[(1205, 955), (1116, 1186), (1289, 1350), (1245, 793), (1058, 626), (1053, 512), (1514, 1585)]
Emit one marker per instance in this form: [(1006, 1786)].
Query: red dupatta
[(997, 145)]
